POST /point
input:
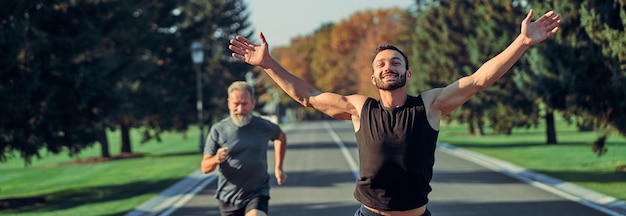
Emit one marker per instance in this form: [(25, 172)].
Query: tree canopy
[(74, 69)]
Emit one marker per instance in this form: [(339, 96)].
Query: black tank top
[(396, 154)]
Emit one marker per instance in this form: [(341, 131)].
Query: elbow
[(207, 167), (305, 102), (478, 84), (204, 168), (207, 170), (308, 100), (479, 87)]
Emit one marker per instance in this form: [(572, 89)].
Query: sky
[(282, 20)]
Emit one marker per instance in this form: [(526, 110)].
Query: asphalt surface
[(322, 165)]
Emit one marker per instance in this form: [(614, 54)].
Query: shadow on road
[(473, 177), (314, 179), (547, 208)]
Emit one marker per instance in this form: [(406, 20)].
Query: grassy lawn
[(572, 159), (105, 188)]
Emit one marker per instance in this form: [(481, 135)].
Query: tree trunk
[(125, 130), (481, 127), (470, 129), (104, 143), (550, 128), (599, 145)]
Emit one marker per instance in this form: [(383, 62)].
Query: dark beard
[(391, 86)]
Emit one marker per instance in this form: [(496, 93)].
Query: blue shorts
[(362, 211), (260, 203)]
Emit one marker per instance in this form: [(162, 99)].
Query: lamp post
[(251, 81), (197, 56)]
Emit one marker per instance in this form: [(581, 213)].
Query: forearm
[(496, 67), (298, 89), (208, 164), (280, 147)]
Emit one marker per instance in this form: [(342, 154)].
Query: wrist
[(269, 63), (523, 41)]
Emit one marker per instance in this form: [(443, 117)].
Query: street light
[(197, 56), (251, 81)]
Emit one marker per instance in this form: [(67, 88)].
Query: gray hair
[(240, 86)]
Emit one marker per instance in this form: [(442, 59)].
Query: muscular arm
[(459, 92), (331, 104)]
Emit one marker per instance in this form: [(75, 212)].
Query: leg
[(258, 206), (362, 211), (228, 209), (255, 212), (427, 213)]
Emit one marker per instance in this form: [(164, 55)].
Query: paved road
[(322, 165)]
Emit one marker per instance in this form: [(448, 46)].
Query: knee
[(256, 212)]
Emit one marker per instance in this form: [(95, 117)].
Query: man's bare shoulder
[(433, 113), (430, 96), (357, 98), (357, 101)]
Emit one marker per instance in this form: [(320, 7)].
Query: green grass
[(572, 159), (106, 188)]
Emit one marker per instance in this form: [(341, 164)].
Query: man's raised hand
[(246, 51), (540, 29)]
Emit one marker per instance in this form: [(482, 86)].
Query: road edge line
[(598, 201)]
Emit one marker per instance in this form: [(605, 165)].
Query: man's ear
[(373, 79), (408, 74)]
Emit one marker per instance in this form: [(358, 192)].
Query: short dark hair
[(384, 47)]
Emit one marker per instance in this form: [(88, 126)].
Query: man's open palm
[(246, 51), (540, 29)]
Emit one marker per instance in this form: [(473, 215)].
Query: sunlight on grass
[(105, 188), (572, 159)]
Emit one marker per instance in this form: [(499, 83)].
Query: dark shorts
[(259, 203), (362, 211)]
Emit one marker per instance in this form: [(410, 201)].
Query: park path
[(322, 166)]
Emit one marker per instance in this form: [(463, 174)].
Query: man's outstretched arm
[(334, 105), (459, 92)]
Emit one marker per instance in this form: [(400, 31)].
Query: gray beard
[(243, 122)]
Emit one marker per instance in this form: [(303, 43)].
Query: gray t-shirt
[(244, 175)]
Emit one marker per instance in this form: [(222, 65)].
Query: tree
[(604, 22), (160, 98), (102, 64), (52, 83), (452, 40), (578, 72)]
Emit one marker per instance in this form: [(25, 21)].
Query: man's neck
[(393, 98)]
